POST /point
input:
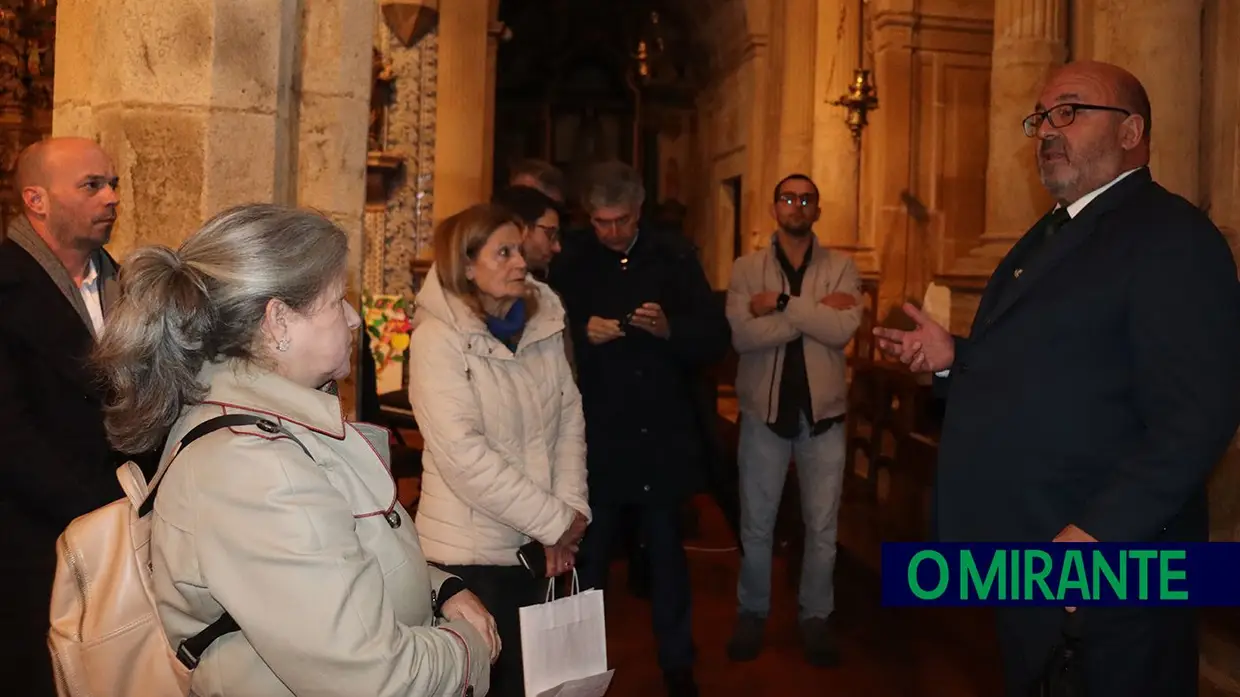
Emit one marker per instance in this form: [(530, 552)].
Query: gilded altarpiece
[(27, 39)]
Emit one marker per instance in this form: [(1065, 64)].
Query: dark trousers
[(504, 590), (25, 662), (1129, 651), (658, 527)]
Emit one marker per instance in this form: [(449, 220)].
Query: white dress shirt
[(89, 288)]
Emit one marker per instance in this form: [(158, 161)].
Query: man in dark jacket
[(644, 324), (57, 285), (1098, 386)]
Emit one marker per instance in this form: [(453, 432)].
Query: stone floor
[(886, 651)]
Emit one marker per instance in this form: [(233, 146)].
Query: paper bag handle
[(551, 587)]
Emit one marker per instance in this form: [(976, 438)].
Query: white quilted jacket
[(505, 454)]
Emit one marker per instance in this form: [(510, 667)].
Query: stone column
[(837, 160), (333, 121), (192, 99), (206, 104), (1160, 43), (795, 121), (334, 116), (461, 141), (1030, 41)]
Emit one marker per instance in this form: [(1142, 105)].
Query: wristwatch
[(782, 302)]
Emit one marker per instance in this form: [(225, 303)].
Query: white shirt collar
[(1075, 208), (633, 243), (89, 290), (91, 279)]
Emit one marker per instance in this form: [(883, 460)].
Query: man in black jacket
[(644, 324), (57, 285), (1099, 385)]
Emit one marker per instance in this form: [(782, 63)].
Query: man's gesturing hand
[(927, 349)]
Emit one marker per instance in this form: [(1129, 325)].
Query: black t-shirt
[(794, 397)]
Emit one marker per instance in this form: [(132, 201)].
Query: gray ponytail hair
[(205, 301)]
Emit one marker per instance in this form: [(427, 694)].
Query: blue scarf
[(508, 328)]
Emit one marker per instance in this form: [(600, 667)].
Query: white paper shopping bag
[(564, 645)]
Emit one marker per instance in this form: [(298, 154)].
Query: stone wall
[(208, 104)]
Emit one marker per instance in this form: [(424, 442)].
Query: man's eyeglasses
[(802, 200), (1062, 115)]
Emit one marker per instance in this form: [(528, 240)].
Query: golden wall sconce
[(859, 101)]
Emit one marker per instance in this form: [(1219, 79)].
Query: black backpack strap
[(209, 426), (191, 650)]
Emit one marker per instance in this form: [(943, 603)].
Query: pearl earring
[(282, 344)]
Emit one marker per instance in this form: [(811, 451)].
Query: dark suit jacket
[(1101, 385), (56, 460), (54, 453), (647, 434)]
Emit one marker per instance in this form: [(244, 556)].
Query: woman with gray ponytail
[(290, 525)]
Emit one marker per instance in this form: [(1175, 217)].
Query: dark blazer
[(1101, 384), (647, 435), (57, 461), (54, 453)]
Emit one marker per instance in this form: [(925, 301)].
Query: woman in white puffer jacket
[(491, 388)]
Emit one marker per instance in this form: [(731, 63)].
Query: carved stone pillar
[(837, 159), (794, 134), (160, 86), (462, 154), (206, 104), (1030, 41), (1160, 43)]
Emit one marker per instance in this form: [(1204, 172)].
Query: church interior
[(388, 115)]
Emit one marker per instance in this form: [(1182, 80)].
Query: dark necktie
[(1054, 222), (1057, 220)]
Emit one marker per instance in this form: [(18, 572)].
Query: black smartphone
[(533, 557)]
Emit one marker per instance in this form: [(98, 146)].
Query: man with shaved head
[(56, 286), (1098, 386)]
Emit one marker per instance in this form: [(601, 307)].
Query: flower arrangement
[(387, 322)]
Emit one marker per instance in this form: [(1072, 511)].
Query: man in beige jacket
[(793, 308)]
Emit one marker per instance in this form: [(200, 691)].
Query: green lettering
[(971, 579), (1073, 575), (1166, 574), (1143, 556), (915, 586), (1038, 576), (1119, 584), (1014, 594)]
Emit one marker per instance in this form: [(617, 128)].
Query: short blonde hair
[(458, 239)]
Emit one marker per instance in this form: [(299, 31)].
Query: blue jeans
[(763, 459)]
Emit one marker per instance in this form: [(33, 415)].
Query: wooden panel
[(957, 141)]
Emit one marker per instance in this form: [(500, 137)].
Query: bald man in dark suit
[(56, 286), (1099, 384)]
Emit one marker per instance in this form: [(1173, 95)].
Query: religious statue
[(382, 76)]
